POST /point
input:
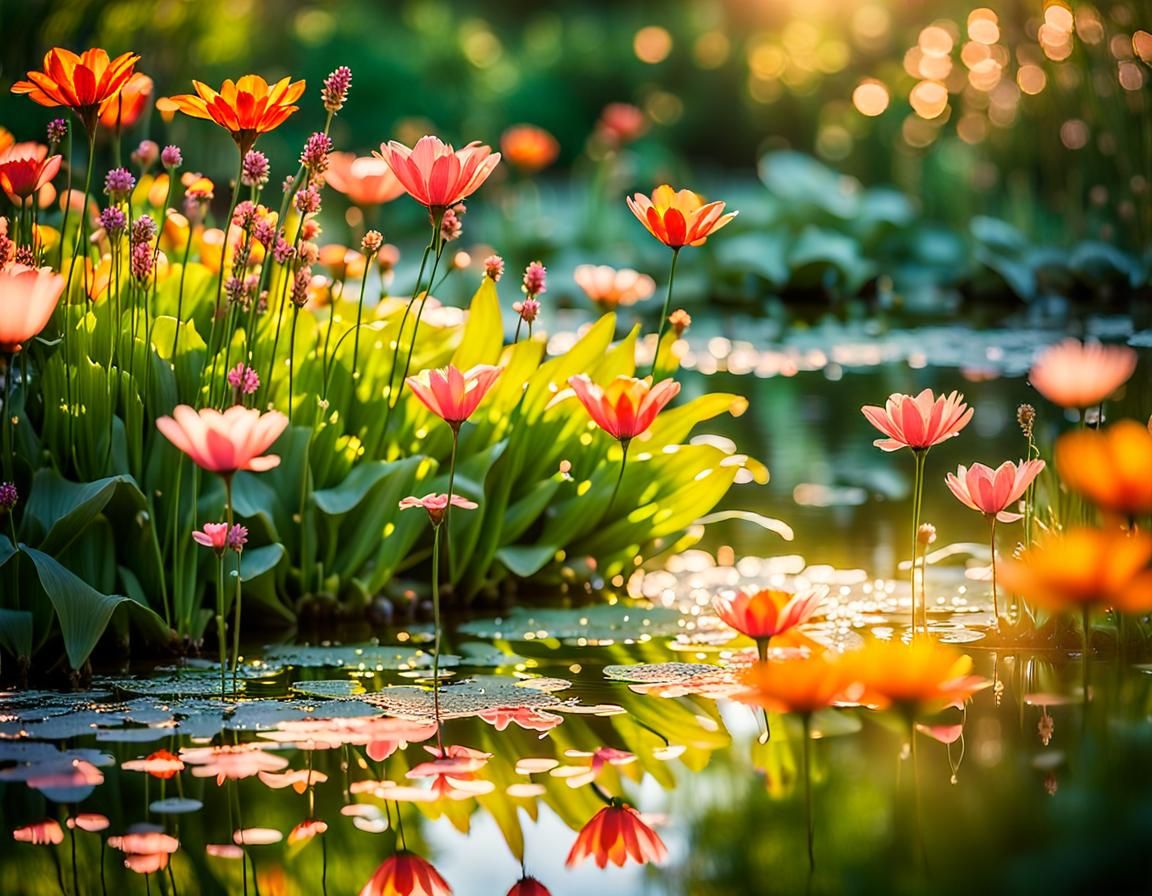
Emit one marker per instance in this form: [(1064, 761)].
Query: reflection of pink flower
[(160, 764), (231, 763), (945, 734), (299, 780), (77, 774), (381, 736), (224, 850), (616, 834), (525, 716), (92, 822), (454, 772), (306, 830), (918, 422), (587, 766), (146, 863), (406, 874), (40, 833), (992, 492), (1078, 375)]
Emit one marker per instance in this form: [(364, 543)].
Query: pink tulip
[(451, 394), (992, 492), (365, 180), (627, 407), (28, 296), (918, 422), (225, 442), (436, 175), (436, 505), (213, 535)]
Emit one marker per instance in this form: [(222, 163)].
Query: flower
[(494, 268), (528, 886), (92, 822), (452, 395), (1084, 567), (1112, 467), (926, 534), (1078, 375), (335, 91), (766, 613), (622, 123), (225, 442), (436, 175), (627, 406), (28, 296), (918, 423), (237, 537), (243, 379), (9, 496), (915, 678), (406, 874), (213, 535), (41, 833), (123, 111), (57, 131), (145, 154), (82, 83), (680, 320), (306, 830), (254, 169), (365, 180), (679, 218), (451, 227), (245, 108), (25, 170), (992, 492), (535, 280), (171, 157), (528, 147), (118, 183), (437, 505), (314, 156), (1026, 418), (616, 834), (528, 310), (608, 288), (802, 685), (161, 764)]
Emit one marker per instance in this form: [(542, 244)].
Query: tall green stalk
[(664, 314), (917, 497)]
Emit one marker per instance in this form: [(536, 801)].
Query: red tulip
[(628, 406)]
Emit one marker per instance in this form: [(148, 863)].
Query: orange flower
[(765, 614), (246, 108), (679, 218), (225, 442), (162, 764), (627, 406), (451, 394), (1084, 567), (924, 676), (528, 147), (801, 686), (1079, 375), (82, 83), (608, 288), (124, 110), (406, 874), (28, 296), (1112, 468), (436, 175), (365, 180), (616, 834)]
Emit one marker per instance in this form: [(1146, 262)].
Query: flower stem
[(448, 507), (436, 625), (356, 338), (917, 497), (995, 594), (400, 333), (221, 634), (806, 724), (419, 315), (664, 314), (624, 443)]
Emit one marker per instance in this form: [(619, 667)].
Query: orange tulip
[(918, 678), (124, 110), (764, 614), (245, 108), (406, 874), (528, 147), (616, 834), (801, 686), (28, 296), (608, 288), (225, 442), (365, 180), (1078, 375), (1081, 568), (679, 218), (627, 406), (82, 83), (1112, 468)]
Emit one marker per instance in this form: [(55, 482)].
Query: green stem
[(356, 338), (664, 314), (180, 294), (221, 635), (806, 724), (917, 496), (292, 357), (448, 507), (624, 443), (212, 347), (236, 616), (419, 315), (400, 332), (236, 631), (436, 625), (995, 594), (9, 444)]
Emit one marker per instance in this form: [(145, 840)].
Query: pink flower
[(92, 822), (918, 423), (992, 492), (436, 505), (365, 180), (41, 833), (436, 175), (1078, 375), (627, 406), (26, 170), (766, 613), (28, 296), (213, 535), (225, 442), (452, 395), (609, 288)]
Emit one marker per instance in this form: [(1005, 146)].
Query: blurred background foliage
[(1022, 130)]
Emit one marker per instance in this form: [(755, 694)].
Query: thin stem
[(917, 497), (436, 625), (448, 507), (221, 634), (516, 337), (236, 631), (400, 332), (664, 313), (624, 443), (220, 277), (416, 323), (1086, 642), (995, 594), (180, 294), (356, 338), (806, 724), (9, 442), (292, 357)]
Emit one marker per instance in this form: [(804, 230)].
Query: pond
[(329, 761)]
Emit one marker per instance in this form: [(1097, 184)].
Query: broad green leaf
[(61, 509), (483, 337)]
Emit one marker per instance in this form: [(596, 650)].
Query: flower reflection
[(453, 772), (41, 833), (299, 779), (616, 834), (525, 717), (528, 886), (92, 822), (161, 764), (231, 762), (406, 874), (764, 614), (306, 830), (588, 765)]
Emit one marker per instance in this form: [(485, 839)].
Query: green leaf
[(349, 493), (483, 339), (62, 509), (526, 560), (255, 562), (16, 632)]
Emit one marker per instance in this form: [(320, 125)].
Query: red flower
[(679, 218), (528, 886), (25, 170), (627, 406), (82, 83), (766, 613), (124, 110), (406, 874), (436, 175), (452, 395), (246, 108), (616, 834)]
